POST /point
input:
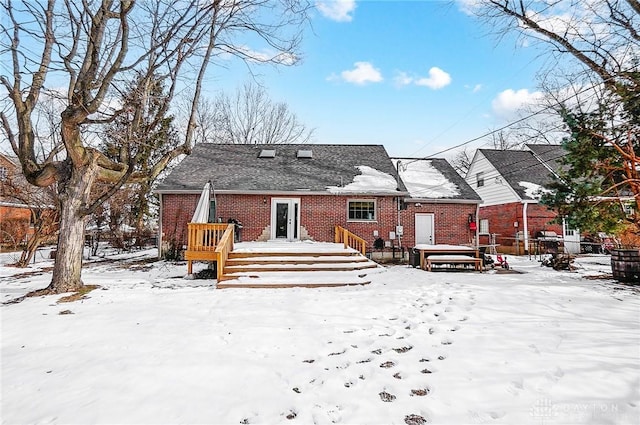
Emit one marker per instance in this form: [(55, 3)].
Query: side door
[(424, 229)]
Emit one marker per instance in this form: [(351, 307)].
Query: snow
[(536, 346), (370, 181), (423, 180), (533, 190)]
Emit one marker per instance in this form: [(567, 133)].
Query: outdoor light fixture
[(264, 200)]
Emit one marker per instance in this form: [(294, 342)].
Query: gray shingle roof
[(449, 175), (523, 166), (239, 168), (551, 155)]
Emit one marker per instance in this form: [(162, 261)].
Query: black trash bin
[(237, 229), (414, 258)]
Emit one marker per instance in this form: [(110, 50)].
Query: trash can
[(414, 258)]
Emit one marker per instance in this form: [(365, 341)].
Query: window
[(480, 179), (362, 210), (3, 173), (484, 225)]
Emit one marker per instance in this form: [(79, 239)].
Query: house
[(15, 215), (302, 192), (510, 183)]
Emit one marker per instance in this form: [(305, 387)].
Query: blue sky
[(415, 76)]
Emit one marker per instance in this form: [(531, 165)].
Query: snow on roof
[(371, 181), (423, 180), (533, 190)]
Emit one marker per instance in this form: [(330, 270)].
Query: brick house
[(15, 216), (510, 183), (301, 192)]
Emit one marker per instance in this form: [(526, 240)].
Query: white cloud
[(337, 10), (509, 101), (437, 79), (474, 89), (402, 79), (363, 73)]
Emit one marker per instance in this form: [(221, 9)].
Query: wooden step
[(290, 280), (298, 267), (295, 265), (237, 261), (342, 254)]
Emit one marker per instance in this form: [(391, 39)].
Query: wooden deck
[(278, 264), (295, 264)]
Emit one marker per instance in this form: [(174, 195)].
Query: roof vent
[(267, 153), (305, 153)]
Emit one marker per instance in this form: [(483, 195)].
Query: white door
[(571, 241), (424, 229), (285, 218)]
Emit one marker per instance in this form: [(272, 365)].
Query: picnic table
[(447, 254)]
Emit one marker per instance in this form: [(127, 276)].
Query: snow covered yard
[(413, 347)]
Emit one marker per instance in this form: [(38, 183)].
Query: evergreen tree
[(596, 190)]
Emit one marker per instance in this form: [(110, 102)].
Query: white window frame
[(483, 226), (480, 179), (4, 173), (367, 220)]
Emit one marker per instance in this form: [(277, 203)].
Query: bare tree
[(95, 48), (461, 161), (251, 117)]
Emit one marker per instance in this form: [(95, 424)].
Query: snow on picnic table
[(149, 347)]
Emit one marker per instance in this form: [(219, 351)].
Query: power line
[(555, 104)]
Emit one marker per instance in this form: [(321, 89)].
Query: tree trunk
[(74, 198), (29, 251)]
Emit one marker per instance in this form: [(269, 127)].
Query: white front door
[(285, 218), (424, 229)]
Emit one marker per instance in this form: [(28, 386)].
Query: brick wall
[(14, 224), (318, 216), (502, 218), (451, 222)]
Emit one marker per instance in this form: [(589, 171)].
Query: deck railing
[(349, 239), (204, 236), (225, 246), (202, 241)]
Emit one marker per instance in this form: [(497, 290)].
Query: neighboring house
[(23, 206), (15, 216), (301, 192), (510, 183)]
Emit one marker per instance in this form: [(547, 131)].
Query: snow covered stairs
[(295, 264)]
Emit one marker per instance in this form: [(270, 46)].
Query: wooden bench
[(453, 260)]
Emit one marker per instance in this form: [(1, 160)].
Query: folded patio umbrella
[(201, 215)]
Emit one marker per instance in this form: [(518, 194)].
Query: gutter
[(280, 192)]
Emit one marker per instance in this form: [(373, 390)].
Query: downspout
[(160, 229), (525, 225), (398, 204), (477, 225)]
